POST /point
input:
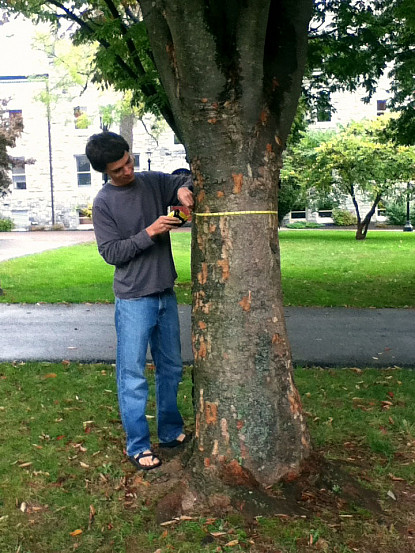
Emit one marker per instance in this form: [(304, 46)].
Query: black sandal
[(136, 461)]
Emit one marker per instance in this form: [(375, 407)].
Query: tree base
[(175, 491)]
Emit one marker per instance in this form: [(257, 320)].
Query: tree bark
[(232, 72), (363, 226)]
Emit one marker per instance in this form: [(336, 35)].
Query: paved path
[(318, 336), (17, 244)]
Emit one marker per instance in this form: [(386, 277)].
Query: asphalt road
[(319, 336)]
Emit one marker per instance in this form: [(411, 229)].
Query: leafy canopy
[(352, 43)]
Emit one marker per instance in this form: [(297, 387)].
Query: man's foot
[(145, 460), (180, 440)]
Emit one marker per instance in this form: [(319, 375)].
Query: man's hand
[(162, 225), (185, 197)]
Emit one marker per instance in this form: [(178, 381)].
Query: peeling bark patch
[(264, 116), (201, 196), (269, 148), (202, 325), (237, 182), (211, 412), (240, 424), (203, 275), (224, 265), (246, 301), (215, 449), (220, 194), (224, 430), (234, 474), (212, 121), (295, 404)]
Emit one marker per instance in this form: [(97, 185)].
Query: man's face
[(121, 172)]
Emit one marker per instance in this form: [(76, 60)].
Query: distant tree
[(358, 161), (11, 126)]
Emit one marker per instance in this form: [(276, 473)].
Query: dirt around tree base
[(325, 490)]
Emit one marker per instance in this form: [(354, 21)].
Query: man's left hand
[(185, 197)]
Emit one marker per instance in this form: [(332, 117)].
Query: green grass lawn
[(65, 484), (319, 268)]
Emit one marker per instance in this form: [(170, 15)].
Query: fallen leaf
[(50, 375), (76, 532), (24, 465), (217, 534), (391, 495), (84, 465), (232, 543)]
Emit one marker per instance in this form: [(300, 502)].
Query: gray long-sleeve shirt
[(143, 265)]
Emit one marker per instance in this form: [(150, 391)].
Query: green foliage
[(396, 213), (343, 218), (10, 130), (353, 44), (6, 224), (304, 225)]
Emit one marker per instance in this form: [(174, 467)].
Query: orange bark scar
[(264, 116), (295, 404), (212, 121), (202, 349), (206, 462), (202, 276), (211, 412), (212, 229), (245, 303), (220, 194), (204, 100), (237, 181), (224, 265), (269, 148), (240, 424), (215, 449), (224, 430), (201, 196), (202, 325)]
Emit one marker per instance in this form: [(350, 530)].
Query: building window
[(298, 214), (81, 117), (15, 113), (380, 107), (19, 173), (83, 169), (136, 163)]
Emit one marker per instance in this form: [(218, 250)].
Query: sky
[(20, 58)]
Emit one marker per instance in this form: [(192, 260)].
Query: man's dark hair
[(105, 147)]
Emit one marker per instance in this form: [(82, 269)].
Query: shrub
[(396, 214), (343, 218), (6, 224), (302, 225)]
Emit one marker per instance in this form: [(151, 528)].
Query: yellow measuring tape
[(223, 213)]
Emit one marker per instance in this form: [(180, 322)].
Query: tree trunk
[(363, 226), (232, 73), (249, 425)]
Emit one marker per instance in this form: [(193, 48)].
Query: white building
[(60, 182)]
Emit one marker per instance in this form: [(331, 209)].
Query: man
[(132, 232)]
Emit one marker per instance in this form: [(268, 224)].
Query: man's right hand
[(162, 225)]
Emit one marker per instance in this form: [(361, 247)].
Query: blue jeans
[(150, 320)]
